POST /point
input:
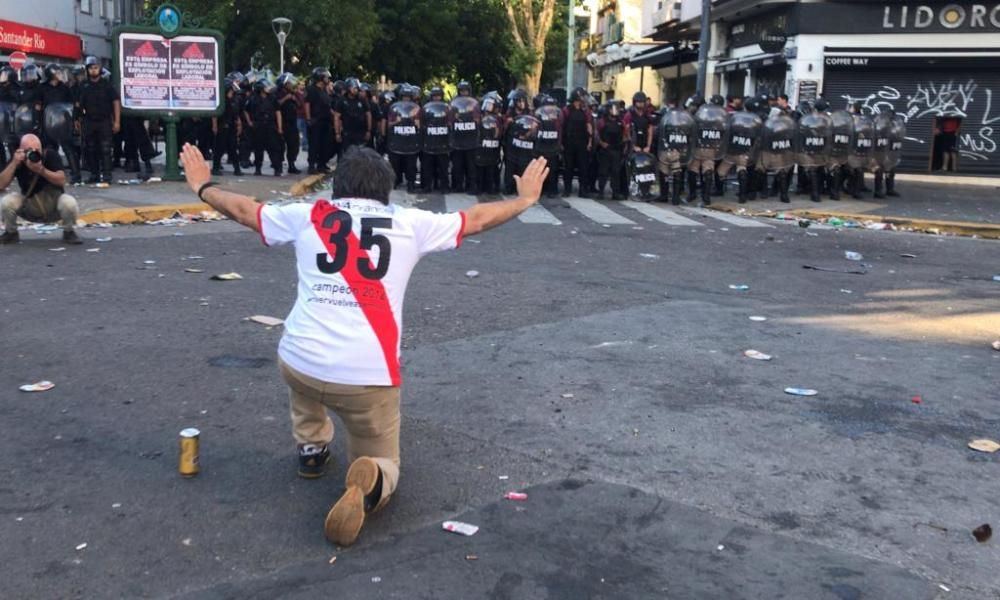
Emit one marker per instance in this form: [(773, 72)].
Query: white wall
[(50, 14)]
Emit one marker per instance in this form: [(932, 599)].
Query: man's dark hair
[(362, 173), (783, 97)]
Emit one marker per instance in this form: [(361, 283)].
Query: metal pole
[(703, 43), (282, 54), (570, 41), (172, 173)]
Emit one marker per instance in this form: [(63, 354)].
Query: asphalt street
[(595, 362)]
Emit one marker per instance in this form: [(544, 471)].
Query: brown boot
[(344, 521)]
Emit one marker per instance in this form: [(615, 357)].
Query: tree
[(486, 44), (530, 21), (419, 41)]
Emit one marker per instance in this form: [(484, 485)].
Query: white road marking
[(728, 218), (660, 214), (598, 212)]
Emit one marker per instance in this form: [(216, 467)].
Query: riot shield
[(643, 184), (7, 135), (813, 140), (24, 120), (524, 134), (743, 138), (464, 123), (896, 136), (882, 124), (435, 125), (710, 132), (59, 122), (863, 143), (675, 132), (488, 153), (842, 136), (402, 135), (547, 143), (778, 149)]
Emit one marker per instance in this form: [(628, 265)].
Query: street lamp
[(282, 27)]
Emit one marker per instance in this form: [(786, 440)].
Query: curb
[(306, 184), (963, 228), (140, 214), (993, 182)]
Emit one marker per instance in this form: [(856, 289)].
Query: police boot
[(147, 169), (890, 184), (781, 177), (879, 179), (601, 183), (741, 179), (814, 184), (857, 183), (216, 165), (692, 183), (838, 183), (706, 189), (720, 188), (752, 177), (675, 189), (664, 188), (237, 170)]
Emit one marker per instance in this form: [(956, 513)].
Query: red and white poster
[(176, 74)]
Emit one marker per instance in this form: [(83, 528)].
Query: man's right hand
[(529, 184)]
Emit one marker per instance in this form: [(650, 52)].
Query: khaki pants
[(47, 206), (370, 415)]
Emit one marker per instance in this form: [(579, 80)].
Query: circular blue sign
[(169, 19)]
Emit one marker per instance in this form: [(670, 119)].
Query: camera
[(34, 155)]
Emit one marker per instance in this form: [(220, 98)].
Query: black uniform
[(97, 100), (576, 147), (320, 128), (354, 113), (288, 104), (227, 138), (610, 131), (263, 110)]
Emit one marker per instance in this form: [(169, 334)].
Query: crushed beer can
[(515, 496)]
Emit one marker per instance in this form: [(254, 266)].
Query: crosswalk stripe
[(457, 202), (598, 212), (662, 215), (728, 218), (538, 214)]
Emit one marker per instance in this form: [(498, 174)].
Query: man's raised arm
[(240, 208), (488, 215)]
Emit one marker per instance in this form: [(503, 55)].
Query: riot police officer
[(517, 101), (490, 136), (742, 145), (842, 134), (778, 150), (100, 112), (403, 136), (548, 143), (897, 134), (319, 121), (814, 137), (464, 140), (288, 104), (612, 141), (266, 127), (434, 158), (639, 120), (862, 148), (57, 104), (882, 124), (8, 102), (228, 128), (708, 145), (352, 117), (578, 136), (29, 99), (674, 150)]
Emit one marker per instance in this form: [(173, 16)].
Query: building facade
[(930, 61), (615, 38)]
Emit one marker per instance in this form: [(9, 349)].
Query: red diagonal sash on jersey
[(376, 308)]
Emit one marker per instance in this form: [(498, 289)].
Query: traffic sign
[(17, 60)]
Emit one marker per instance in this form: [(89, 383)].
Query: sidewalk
[(927, 206)]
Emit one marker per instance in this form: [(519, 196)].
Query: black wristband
[(204, 187)]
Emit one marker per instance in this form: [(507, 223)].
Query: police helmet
[(805, 108), (717, 100), (464, 86), (639, 97), (231, 83), (8, 75), (751, 105), (321, 73), (54, 71), (694, 101), (489, 104), (822, 105), (386, 97), (91, 60), (436, 91), (287, 80), (338, 87), (29, 74), (613, 108), (261, 85), (352, 84), (592, 101), (578, 94)]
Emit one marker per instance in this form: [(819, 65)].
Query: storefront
[(40, 44), (936, 63), (674, 67)]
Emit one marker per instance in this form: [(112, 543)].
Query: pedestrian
[(319, 121), (288, 104), (42, 198), (341, 347), (100, 111)]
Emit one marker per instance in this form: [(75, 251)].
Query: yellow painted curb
[(306, 184), (141, 214), (964, 228)]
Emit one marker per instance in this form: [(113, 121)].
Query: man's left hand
[(196, 170)]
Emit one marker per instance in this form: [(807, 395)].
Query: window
[(85, 7)]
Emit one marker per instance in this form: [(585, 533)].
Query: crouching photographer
[(41, 199)]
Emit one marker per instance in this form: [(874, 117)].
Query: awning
[(663, 56), (750, 62)]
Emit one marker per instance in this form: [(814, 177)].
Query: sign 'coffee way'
[(949, 16)]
